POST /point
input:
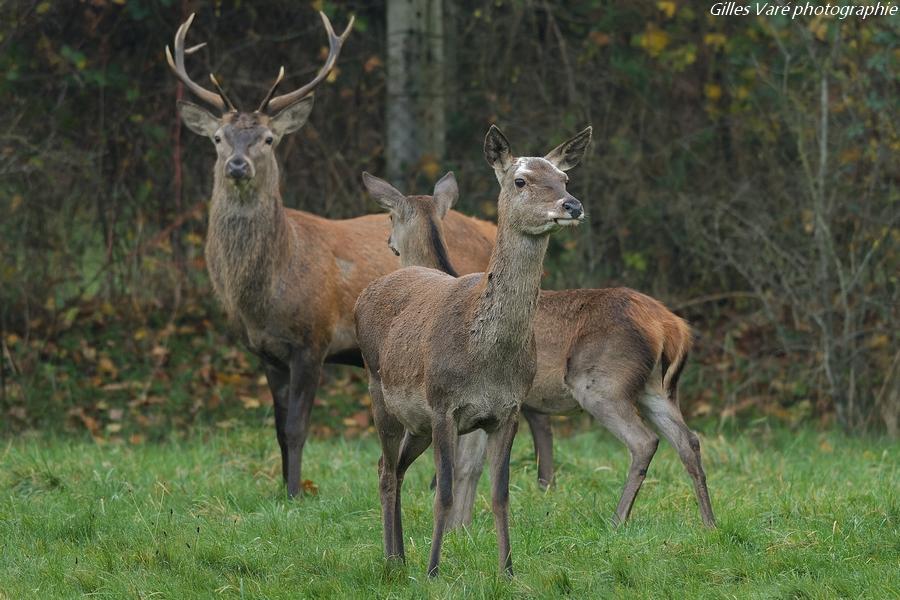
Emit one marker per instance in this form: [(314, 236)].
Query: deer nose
[(238, 168), (573, 207)]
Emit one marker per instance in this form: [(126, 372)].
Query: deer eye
[(520, 183), (269, 140), (217, 139)]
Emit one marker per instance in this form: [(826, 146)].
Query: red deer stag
[(614, 352), (288, 279), (448, 355)]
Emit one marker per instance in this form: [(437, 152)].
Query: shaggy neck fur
[(247, 240), (509, 289)]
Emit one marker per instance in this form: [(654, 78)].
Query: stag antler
[(335, 42), (220, 100)]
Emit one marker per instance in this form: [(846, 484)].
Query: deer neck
[(428, 250), (248, 241), (509, 290)]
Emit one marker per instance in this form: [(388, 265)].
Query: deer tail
[(676, 348)]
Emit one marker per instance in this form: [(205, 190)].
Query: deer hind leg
[(470, 452), (499, 447), (610, 403), (304, 379), (444, 436), (542, 436), (670, 422), (390, 434), (411, 448)]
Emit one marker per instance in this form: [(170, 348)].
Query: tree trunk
[(415, 86)]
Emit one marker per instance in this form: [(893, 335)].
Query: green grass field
[(801, 514)]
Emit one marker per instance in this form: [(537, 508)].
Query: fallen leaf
[(119, 386), (18, 412), (106, 366), (159, 353), (361, 419), (309, 487), (89, 422), (229, 378)]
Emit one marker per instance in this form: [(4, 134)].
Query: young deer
[(449, 355), (288, 279), (612, 352)]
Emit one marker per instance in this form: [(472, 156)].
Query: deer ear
[(292, 117), (446, 193), (496, 149), (569, 153), (389, 197), (198, 119)]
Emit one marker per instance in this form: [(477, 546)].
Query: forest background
[(744, 170)]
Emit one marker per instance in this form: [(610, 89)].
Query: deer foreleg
[(444, 437), (279, 379), (499, 446), (304, 379)]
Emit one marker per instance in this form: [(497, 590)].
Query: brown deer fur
[(451, 355), (613, 352), (288, 279)]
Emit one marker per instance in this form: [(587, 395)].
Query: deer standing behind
[(614, 352), (288, 279), (448, 355)]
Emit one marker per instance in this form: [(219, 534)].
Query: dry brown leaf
[(105, 366), (361, 419)]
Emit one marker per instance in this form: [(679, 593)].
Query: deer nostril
[(573, 207), (237, 168)]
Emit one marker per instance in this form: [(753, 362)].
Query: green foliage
[(800, 513)]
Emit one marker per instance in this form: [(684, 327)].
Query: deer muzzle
[(238, 168), (569, 211)]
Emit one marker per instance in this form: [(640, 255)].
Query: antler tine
[(177, 65), (222, 94), (335, 43), (265, 102)]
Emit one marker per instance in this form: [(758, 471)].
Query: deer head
[(415, 227), (245, 140), (533, 198)]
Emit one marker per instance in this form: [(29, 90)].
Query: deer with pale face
[(447, 355), (614, 353)]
